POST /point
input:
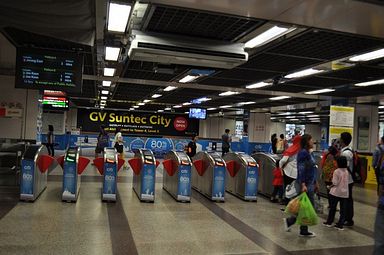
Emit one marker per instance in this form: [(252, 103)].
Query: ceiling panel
[(183, 95), (224, 82), (134, 92), (189, 22), (359, 73), (318, 82), (326, 45), (246, 74)]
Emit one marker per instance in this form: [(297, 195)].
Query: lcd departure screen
[(198, 113), (46, 69)]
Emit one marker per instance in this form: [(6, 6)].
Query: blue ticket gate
[(144, 167), (242, 175), (208, 175), (34, 171), (177, 175), (108, 167), (73, 166)]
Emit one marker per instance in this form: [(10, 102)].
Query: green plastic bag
[(293, 206), (307, 215)]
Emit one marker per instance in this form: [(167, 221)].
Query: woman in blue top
[(306, 177)]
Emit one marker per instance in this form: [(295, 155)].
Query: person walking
[(102, 141), (274, 143), (50, 141), (191, 148), (379, 222), (378, 158), (225, 140), (306, 177), (338, 193), (277, 182), (119, 142)]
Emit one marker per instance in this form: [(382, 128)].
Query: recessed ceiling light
[(303, 73), (279, 98), (305, 112), (102, 106), (112, 53), (146, 101), (370, 83), (188, 78), (245, 103), (202, 99), (271, 34), (107, 83), (211, 109), (290, 117), (313, 116), (381, 106), (187, 103), (186, 112), (136, 106), (177, 106), (368, 56), (169, 88), (167, 109), (258, 85), (319, 91), (109, 71), (131, 109), (156, 95), (225, 106), (103, 98), (293, 119), (118, 17), (141, 104), (285, 113), (105, 92), (228, 93), (160, 110), (103, 102)]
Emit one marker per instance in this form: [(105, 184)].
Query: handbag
[(292, 189)]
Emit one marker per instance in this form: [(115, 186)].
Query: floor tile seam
[(342, 250), (253, 235)]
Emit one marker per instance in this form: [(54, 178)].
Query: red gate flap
[(157, 163), (199, 165), (135, 164), (168, 166), (60, 161), (83, 163), (44, 162), (120, 163), (99, 164), (231, 167)]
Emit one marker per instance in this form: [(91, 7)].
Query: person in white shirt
[(119, 143), (346, 151)]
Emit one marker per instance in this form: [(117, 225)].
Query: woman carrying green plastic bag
[(306, 177)]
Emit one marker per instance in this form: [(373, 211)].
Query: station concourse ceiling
[(313, 44)]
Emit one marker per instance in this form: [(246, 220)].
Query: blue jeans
[(379, 233), (291, 220)]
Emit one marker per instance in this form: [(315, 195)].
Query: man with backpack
[(346, 151), (378, 164), (102, 141)]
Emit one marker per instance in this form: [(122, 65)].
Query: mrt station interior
[(192, 127)]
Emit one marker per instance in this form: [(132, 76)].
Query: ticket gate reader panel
[(34, 172), (71, 178), (208, 175), (110, 174), (266, 162), (242, 175), (177, 175), (144, 165)]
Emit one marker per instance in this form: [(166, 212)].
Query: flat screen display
[(55, 103), (47, 69), (198, 113)]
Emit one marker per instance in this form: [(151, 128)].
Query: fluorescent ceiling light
[(188, 78), (186, 112), (303, 73), (102, 106), (225, 106), (177, 106), (112, 53), (285, 113), (187, 103), (313, 116), (211, 109), (245, 103), (258, 85), (319, 91), (381, 106), (131, 109), (228, 93), (268, 36), (293, 119), (169, 88), (368, 56), (273, 118), (279, 98), (118, 17), (105, 92), (109, 71), (167, 109), (290, 117), (160, 110), (103, 98), (107, 83), (146, 101), (370, 83), (103, 102), (156, 95), (305, 112), (204, 99), (141, 104), (136, 106)]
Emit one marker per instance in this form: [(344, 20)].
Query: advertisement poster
[(109, 186), (251, 187), (27, 177), (334, 133), (184, 185), (69, 179), (145, 124), (218, 187), (341, 116), (148, 182)]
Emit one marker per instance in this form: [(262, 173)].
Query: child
[(338, 193), (277, 183), (328, 166)]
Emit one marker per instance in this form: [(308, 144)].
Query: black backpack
[(357, 169)]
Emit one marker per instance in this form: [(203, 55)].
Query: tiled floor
[(49, 226)]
